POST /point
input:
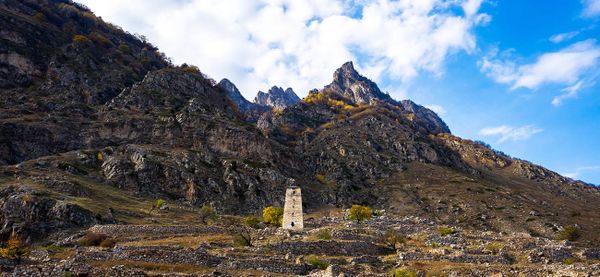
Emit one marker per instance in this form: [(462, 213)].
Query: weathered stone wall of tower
[(292, 210)]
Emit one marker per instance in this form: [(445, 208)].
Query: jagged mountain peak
[(277, 97), (357, 88), (233, 92), (251, 111)]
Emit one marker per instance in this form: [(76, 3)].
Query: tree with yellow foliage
[(14, 248), (273, 216), (359, 213)]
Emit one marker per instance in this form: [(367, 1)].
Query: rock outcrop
[(277, 98), (355, 87)]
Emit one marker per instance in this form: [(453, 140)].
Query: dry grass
[(155, 268), (63, 254), (152, 268), (186, 241)]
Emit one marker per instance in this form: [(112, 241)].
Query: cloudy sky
[(520, 75)]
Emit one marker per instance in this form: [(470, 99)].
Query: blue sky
[(564, 137), (519, 75)]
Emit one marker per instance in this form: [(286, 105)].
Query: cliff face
[(95, 124)]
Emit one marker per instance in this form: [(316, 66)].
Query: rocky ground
[(329, 246)]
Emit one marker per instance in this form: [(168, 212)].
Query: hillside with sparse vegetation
[(115, 162)]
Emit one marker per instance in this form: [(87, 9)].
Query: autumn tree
[(359, 213)]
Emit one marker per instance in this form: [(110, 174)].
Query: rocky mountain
[(251, 111), (96, 125), (277, 98), (356, 88)]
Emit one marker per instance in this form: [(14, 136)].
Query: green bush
[(252, 222), (242, 239), (273, 216), (359, 213), (570, 233), (207, 214), (494, 247), (159, 203), (124, 48), (402, 272), (444, 231), (316, 261), (569, 261), (323, 234)]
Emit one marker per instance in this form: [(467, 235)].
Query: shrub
[(88, 19), (107, 243), (40, 17), (569, 261), (160, 203), (444, 231), (27, 198), (402, 272), (273, 216), (15, 249), (316, 261), (124, 48), (100, 39), (494, 247), (207, 214), (190, 68), (570, 233), (97, 239), (359, 213), (80, 39), (323, 180), (252, 222), (323, 234), (391, 239), (242, 239)]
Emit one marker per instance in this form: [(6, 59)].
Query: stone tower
[(292, 210)]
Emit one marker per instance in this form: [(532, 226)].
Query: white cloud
[(567, 67), (571, 92), (437, 109), (506, 132), (298, 43), (575, 173), (558, 38), (591, 7)]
